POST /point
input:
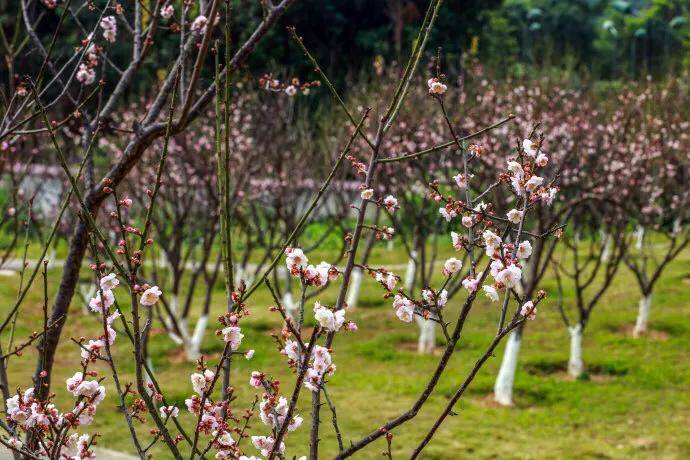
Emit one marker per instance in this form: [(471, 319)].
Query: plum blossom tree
[(496, 193), (91, 108), (656, 142), (120, 271), (594, 229)]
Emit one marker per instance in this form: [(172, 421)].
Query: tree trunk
[(182, 324), (676, 226), (60, 309), (503, 388), (575, 364), (427, 335), (411, 272), (291, 308), (194, 344), (639, 237), (355, 287), (643, 316), (606, 252)]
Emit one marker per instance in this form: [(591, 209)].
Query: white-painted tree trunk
[(606, 252), (183, 325), (426, 341), (169, 321), (162, 259), (526, 273), (355, 287), (411, 271), (639, 236), (503, 388), (291, 307), (643, 316), (575, 364), (193, 347), (427, 335), (389, 245), (676, 226)]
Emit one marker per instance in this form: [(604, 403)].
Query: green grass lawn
[(635, 403)]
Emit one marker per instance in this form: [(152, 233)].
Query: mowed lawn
[(635, 403)]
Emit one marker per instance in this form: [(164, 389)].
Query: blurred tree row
[(601, 39), (604, 39)]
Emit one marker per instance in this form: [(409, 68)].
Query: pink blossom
[(85, 75), (167, 11), (470, 284), (199, 24), (100, 305), (529, 310), (404, 308), (390, 202), (256, 379), (436, 87)]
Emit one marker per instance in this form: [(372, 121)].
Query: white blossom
[(150, 296), (109, 282), (452, 266), (233, 336), (524, 250), (529, 147), (490, 292), (533, 183), (514, 216), (328, 319)]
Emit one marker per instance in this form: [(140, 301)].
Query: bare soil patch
[(651, 334), (594, 372), (411, 347)]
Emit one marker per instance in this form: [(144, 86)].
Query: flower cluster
[(404, 308), (291, 88), (522, 178), (109, 26), (101, 303), (273, 412), (298, 265), (28, 412), (328, 319), (320, 364)]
